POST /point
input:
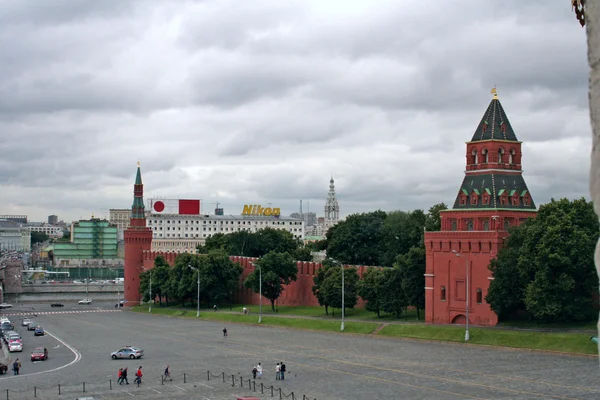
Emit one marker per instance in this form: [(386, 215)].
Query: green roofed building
[(93, 245)]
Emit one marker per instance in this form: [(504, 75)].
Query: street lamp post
[(198, 300), (467, 336), (343, 308), (150, 303), (16, 290)]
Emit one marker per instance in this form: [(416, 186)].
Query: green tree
[(412, 270), (182, 278), (402, 231), (332, 287), (219, 276), (277, 269), (370, 287), (393, 299), (277, 240), (433, 222), (303, 254), (39, 237), (218, 241), (552, 255), (318, 289), (358, 240)]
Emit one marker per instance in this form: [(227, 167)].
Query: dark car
[(32, 326), (57, 305), (39, 331), (39, 354), (3, 368)]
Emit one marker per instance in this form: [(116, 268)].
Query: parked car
[(32, 326), (25, 322), (57, 305), (85, 301), (15, 346), (39, 331), (5, 305), (127, 352), (39, 354)]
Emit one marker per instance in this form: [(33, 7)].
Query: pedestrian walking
[(254, 371), (224, 332), (138, 376), (259, 371), (168, 373), (16, 367), (124, 376), (282, 368), (277, 372), (120, 376)]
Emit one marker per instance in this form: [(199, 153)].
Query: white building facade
[(119, 217), (183, 233), (14, 236), (53, 231)]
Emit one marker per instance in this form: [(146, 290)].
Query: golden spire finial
[(493, 91), (138, 163), (92, 215)]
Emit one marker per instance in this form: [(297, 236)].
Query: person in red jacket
[(138, 376)]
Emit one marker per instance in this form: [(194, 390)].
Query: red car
[(39, 354)]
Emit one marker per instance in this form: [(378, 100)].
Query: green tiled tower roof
[(494, 184), (494, 124)]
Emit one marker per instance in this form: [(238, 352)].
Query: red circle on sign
[(159, 206)]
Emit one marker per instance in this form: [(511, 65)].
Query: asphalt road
[(324, 366)]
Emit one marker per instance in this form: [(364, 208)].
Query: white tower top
[(332, 208)]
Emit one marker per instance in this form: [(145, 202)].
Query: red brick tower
[(138, 238), (493, 196)]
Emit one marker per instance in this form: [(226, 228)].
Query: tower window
[(485, 199), (443, 293), (469, 225), (500, 155), (486, 225), (511, 156), (453, 225), (474, 158), (484, 153), (479, 296), (474, 199)]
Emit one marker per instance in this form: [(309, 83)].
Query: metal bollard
[(262, 389), (241, 382), (280, 396), (6, 394), (34, 391), (271, 391), (83, 387), (162, 380), (232, 380), (58, 390), (249, 384), (184, 378), (208, 375), (223, 377), (254, 385)]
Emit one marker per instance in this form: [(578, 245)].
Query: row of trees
[(219, 278), (391, 290), (378, 238), (257, 244), (546, 268)]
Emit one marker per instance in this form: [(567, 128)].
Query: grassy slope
[(564, 342)]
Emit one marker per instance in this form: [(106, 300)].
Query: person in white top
[(259, 370), (277, 372)]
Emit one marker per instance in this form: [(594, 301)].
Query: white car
[(26, 321), (85, 301), (15, 346), (5, 305)]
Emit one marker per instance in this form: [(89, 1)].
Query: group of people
[(122, 376), (257, 371)]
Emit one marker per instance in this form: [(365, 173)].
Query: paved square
[(324, 366)]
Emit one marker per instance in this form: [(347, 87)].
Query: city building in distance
[(179, 226), (14, 235)]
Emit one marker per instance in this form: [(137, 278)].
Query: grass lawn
[(334, 314), (586, 325), (270, 319), (566, 342)]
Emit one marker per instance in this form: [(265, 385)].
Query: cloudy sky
[(261, 101)]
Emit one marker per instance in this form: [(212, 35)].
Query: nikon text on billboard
[(256, 210)]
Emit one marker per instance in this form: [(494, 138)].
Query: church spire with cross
[(332, 208)]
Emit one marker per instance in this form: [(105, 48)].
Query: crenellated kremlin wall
[(297, 293)]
